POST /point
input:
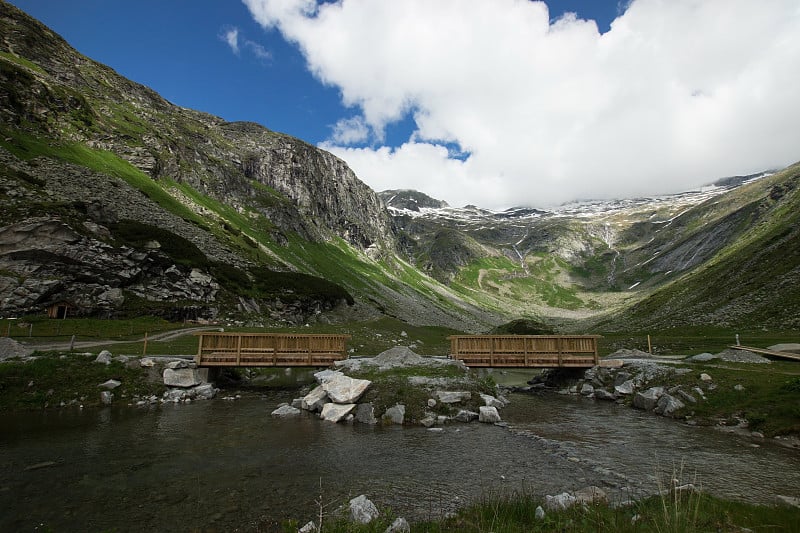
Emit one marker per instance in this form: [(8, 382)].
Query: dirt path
[(158, 337)]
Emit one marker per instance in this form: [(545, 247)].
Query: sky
[(495, 103)]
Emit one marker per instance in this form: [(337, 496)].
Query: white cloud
[(230, 35), (350, 131), (677, 92), (258, 50)]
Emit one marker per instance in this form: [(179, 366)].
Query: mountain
[(117, 202)]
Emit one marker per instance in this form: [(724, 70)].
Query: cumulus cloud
[(675, 94), (230, 35)]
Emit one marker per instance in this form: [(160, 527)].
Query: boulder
[(106, 397), (587, 389), (204, 391), (314, 400), (175, 365), (175, 395), (648, 399), (110, 384), (182, 377), (286, 411), (395, 415), (453, 396), (104, 357), (491, 401), (539, 513), (344, 389), (428, 421), (365, 414), (146, 362), (310, 527), (362, 510), (667, 405), (466, 416), (562, 501), (602, 394), (334, 412), (297, 403), (702, 357), (488, 414)]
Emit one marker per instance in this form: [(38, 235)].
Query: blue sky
[(487, 102)]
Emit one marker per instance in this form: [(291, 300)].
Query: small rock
[(204, 391), (174, 365), (362, 510), (668, 405), (310, 527), (562, 501), (431, 403), (365, 414), (286, 411), (466, 416), (488, 414), (453, 396), (146, 362), (738, 387), (648, 399), (590, 495), (104, 357), (395, 415), (334, 412), (400, 525), (491, 401), (586, 389), (539, 513), (626, 387), (111, 384), (106, 397), (705, 377), (428, 421)]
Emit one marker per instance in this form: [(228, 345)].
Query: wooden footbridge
[(269, 349), (525, 351), (218, 349)]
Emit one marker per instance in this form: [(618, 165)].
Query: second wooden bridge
[(525, 351)]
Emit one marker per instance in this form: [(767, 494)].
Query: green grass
[(46, 329), (21, 61), (72, 379)]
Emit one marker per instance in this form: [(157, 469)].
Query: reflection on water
[(222, 465)]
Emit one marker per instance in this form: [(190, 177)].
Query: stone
[(738, 387), (146, 362), (539, 513), (297, 403), (590, 495), (174, 395), (604, 395), (106, 397), (310, 527), (431, 403), (428, 421), (626, 387), (204, 391), (491, 401), (104, 357), (395, 415), (362, 510), (365, 414), (611, 363), (648, 399), (586, 389), (334, 412), (286, 411), (174, 365), (700, 392), (314, 400), (110, 384), (488, 414), (685, 396), (344, 389), (453, 396), (705, 377), (702, 357), (560, 502), (182, 377), (122, 359), (324, 375), (466, 416), (400, 525), (668, 405)]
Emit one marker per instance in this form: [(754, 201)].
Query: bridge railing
[(526, 351), (269, 349)]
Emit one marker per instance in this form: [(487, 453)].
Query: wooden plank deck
[(269, 349), (784, 355), (525, 351)]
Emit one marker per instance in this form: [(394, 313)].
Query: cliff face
[(49, 89)]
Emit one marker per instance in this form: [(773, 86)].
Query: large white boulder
[(334, 412), (362, 510), (344, 389), (181, 377), (488, 414)]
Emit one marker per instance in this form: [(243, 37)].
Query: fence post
[(144, 348), (649, 345)]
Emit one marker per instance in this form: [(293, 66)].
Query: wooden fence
[(269, 349), (526, 351)]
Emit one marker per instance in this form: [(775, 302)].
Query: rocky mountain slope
[(117, 201)]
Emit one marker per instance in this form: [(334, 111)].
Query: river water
[(222, 466)]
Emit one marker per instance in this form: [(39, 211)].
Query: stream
[(228, 465)]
